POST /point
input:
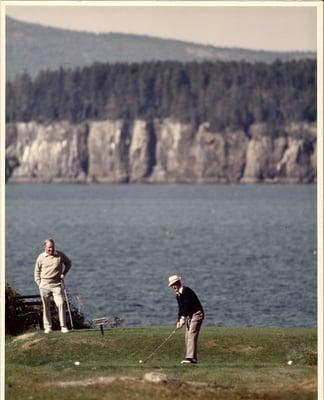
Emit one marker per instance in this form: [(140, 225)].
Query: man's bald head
[(49, 245)]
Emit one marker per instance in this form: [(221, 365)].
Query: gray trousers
[(193, 326), (46, 292)]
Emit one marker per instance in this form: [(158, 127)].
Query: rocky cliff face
[(159, 151)]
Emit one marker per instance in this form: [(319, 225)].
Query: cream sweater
[(48, 269)]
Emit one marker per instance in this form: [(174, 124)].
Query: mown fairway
[(234, 363)]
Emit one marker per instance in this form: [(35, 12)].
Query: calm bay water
[(249, 251)]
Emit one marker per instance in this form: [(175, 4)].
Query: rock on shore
[(159, 151)]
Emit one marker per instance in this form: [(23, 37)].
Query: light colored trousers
[(47, 290), (193, 326)]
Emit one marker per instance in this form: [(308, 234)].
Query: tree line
[(225, 94)]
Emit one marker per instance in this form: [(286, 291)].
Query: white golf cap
[(173, 279)]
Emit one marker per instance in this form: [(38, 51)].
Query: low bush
[(22, 316)]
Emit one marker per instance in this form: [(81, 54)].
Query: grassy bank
[(234, 363)]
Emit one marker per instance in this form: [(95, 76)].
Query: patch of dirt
[(25, 336), (309, 384), (247, 349), (108, 380), (99, 342), (101, 380), (28, 345), (184, 390), (155, 377), (192, 389), (211, 344), (239, 348)]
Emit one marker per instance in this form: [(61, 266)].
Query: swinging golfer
[(190, 314), (50, 269)]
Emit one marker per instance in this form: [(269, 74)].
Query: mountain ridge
[(34, 47)]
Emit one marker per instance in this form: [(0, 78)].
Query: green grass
[(234, 363)]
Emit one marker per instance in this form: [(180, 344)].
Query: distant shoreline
[(63, 181)]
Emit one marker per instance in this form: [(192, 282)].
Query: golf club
[(67, 302), (155, 350)]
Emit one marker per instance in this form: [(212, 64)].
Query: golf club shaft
[(165, 340), (67, 303)]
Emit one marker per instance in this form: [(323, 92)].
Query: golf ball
[(141, 361), (289, 362), (77, 363)]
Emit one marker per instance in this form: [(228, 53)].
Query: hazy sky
[(268, 28)]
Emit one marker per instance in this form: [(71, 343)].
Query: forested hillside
[(224, 94)]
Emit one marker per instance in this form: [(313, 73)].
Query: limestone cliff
[(157, 151)]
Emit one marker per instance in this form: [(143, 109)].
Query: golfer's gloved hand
[(180, 323)]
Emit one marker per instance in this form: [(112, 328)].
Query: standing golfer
[(190, 314), (50, 269)]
